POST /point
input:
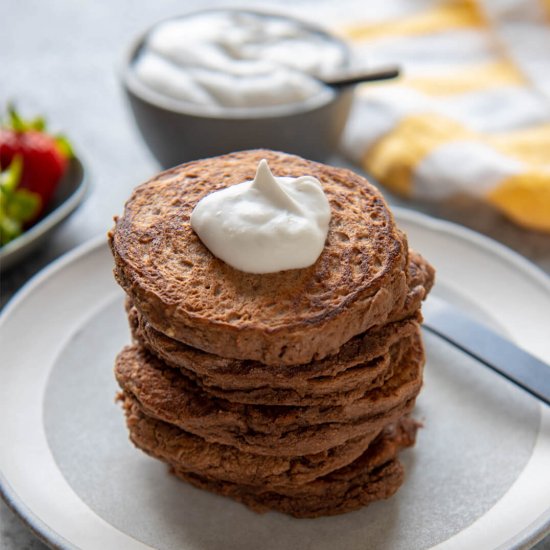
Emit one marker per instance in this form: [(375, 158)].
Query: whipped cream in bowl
[(265, 225), (226, 60), (223, 80)]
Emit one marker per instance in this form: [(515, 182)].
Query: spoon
[(348, 78)]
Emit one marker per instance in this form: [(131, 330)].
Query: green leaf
[(64, 146), (17, 206), (10, 178), (14, 120), (23, 206), (17, 123), (9, 229), (38, 124)]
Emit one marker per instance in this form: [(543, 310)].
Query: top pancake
[(285, 318)]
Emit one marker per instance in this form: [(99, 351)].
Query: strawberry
[(45, 157)]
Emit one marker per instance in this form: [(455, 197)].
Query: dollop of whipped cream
[(266, 225)]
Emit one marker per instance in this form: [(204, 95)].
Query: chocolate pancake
[(191, 453), (364, 356), (286, 318), (336, 378), (341, 389), (375, 475), (166, 394)]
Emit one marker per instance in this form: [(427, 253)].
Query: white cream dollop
[(266, 225)]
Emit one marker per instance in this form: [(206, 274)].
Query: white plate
[(479, 476)]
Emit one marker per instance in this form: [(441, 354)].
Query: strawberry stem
[(18, 124), (15, 122)]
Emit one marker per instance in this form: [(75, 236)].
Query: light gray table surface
[(61, 58)]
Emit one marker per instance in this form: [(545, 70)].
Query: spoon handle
[(349, 79)]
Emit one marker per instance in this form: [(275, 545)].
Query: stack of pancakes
[(288, 391)]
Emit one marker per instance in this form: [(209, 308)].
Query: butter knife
[(487, 347)]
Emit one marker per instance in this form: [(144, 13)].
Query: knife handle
[(489, 348)]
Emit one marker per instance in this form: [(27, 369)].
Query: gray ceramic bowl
[(177, 131), (68, 196)]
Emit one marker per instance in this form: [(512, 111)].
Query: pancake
[(341, 389), (285, 391), (164, 393), (318, 377), (375, 475), (287, 318), (337, 378), (191, 453)]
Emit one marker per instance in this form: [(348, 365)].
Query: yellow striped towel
[(471, 113)]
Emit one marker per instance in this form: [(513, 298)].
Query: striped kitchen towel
[(471, 114)]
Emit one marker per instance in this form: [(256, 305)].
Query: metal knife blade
[(487, 347)]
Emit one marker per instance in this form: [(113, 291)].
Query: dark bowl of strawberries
[(41, 183)]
